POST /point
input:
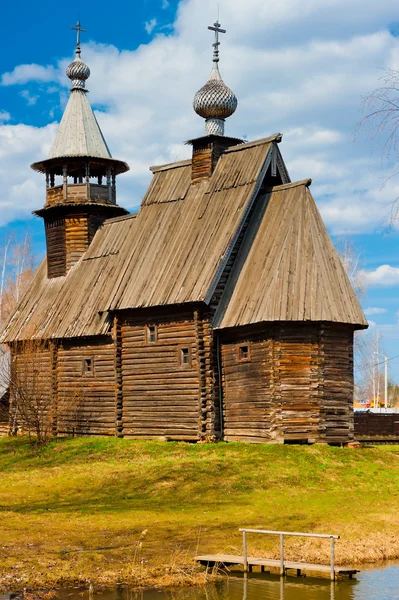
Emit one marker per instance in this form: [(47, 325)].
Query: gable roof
[(79, 134), (287, 268), (172, 252)]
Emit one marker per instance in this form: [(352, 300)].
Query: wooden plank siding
[(297, 385), (86, 401), (161, 395)]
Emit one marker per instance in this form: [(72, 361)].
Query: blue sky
[(299, 68)]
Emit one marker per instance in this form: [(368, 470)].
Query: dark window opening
[(185, 357), (152, 334), (244, 353), (88, 366)]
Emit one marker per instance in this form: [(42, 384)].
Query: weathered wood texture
[(86, 400), (297, 384), (371, 425), (56, 250), (160, 393), (76, 238), (287, 268), (171, 253), (206, 153), (82, 193)]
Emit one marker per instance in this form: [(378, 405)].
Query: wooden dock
[(274, 566)]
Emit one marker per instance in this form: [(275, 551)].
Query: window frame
[(85, 371), (180, 355), (148, 333), (239, 352)]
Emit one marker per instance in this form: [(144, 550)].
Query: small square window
[(88, 366), (151, 334), (244, 353), (184, 357)]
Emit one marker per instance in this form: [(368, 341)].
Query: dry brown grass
[(111, 511)]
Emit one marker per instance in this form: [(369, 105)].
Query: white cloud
[(4, 116), (31, 100), (165, 4), (24, 73), (307, 83), (384, 276), (150, 26), (374, 311), (371, 323)]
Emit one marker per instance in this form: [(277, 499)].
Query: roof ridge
[(276, 137), (174, 165)]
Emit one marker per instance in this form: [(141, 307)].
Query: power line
[(377, 364)]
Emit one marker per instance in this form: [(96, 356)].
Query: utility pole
[(385, 379)]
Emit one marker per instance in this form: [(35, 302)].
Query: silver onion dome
[(78, 72), (215, 101)]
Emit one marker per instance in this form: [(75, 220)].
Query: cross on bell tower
[(217, 29)]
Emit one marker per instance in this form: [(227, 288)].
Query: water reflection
[(375, 584)]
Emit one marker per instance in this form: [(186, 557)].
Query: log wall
[(336, 373), (86, 398), (76, 238), (287, 383), (55, 242), (160, 394), (296, 385)]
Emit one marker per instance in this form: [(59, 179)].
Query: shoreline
[(43, 589)]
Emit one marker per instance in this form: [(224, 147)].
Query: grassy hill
[(109, 510)]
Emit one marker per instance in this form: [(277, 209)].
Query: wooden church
[(220, 310)]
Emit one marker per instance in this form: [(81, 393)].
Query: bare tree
[(31, 402), (370, 366), (351, 259), (16, 270), (381, 121)]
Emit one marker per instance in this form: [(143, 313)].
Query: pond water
[(381, 583)]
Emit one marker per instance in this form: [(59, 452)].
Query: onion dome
[(78, 72), (215, 101)]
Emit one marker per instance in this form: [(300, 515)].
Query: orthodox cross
[(78, 29), (216, 28)]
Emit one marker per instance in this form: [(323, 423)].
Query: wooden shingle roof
[(287, 268), (172, 252), (79, 133)]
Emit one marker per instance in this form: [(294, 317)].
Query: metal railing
[(282, 534)]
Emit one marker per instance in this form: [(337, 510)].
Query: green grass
[(110, 510)]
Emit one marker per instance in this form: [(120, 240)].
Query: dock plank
[(300, 567)]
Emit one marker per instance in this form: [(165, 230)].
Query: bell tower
[(80, 177)]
